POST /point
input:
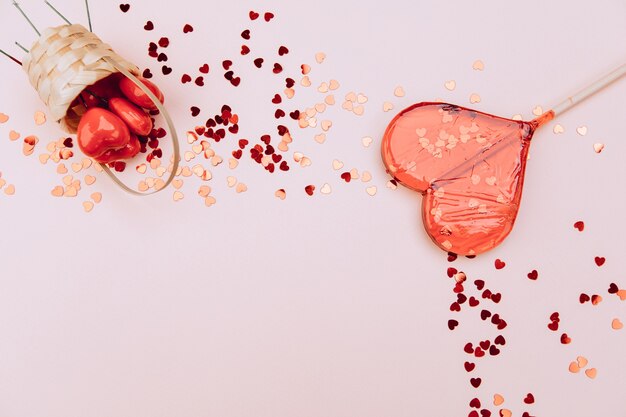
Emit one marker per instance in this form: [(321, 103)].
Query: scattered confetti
[(478, 65), (581, 130), (474, 98), (450, 85), (598, 147), (616, 324), (558, 129), (40, 118)]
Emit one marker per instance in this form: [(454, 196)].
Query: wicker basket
[(63, 62)]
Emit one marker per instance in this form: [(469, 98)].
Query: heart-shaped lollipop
[(468, 165)]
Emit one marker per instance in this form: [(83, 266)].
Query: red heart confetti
[(565, 339), (469, 366), (124, 7), (187, 28), (283, 51), (200, 81), (600, 260), (580, 225), (204, 69), (452, 324), (268, 16), (529, 399), (533, 275), (499, 264), (253, 15), (475, 382), (149, 25), (186, 78), (258, 62), (195, 111), (164, 42)]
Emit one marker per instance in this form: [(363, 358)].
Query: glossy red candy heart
[(468, 165), (137, 96), (131, 149), (135, 118), (100, 131)]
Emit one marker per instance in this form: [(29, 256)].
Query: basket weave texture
[(62, 63)]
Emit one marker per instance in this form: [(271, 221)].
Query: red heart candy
[(468, 165)]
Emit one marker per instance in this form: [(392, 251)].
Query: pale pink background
[(328, 306)]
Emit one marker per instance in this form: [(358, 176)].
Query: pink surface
[(335, 305)]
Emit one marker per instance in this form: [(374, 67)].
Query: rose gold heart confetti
[(40, 118), (29, 145), (216, 160), (326, 189), (538, 111), (361, 98), (498, 400), (177, 184), (574, 368), (10, 189), (3, 118), (289, 93), (505, 413), (598, 147), (77, 166), (366, 176), (621, 294), (13, 135), (141, 168), (334, 85), (558, 129), (96, 197), (387, 106), (474, 98), (241, 187), (337, 164), (57, 191), (231, 181), (178, 196), (88, 206), (323, 88), (305, 69), (330, 100), (43, 158), (366, 141), (143, 186), (516, 117), (359, 110), (70, 192), (581, 130), (89, 179), (87, 163), (326, 125), (320, 57), (581, 361), (305, 82), (371, 190), (450, 85), (616, 324), (209, 201), (281, 194), (160, 171), (398, 92), (591, 373), (478, 65)]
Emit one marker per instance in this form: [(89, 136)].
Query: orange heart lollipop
[(468, 165)]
